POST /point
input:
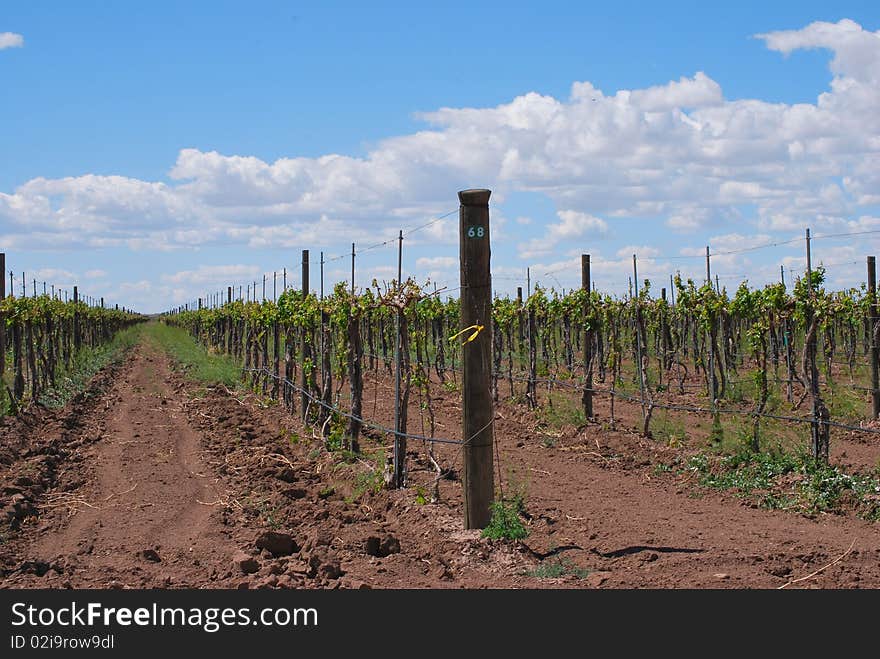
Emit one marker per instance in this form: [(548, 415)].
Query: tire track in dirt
[(143, 517)]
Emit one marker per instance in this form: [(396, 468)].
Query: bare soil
[(148, 480)]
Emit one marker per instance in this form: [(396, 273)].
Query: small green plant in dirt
[(336, 435), (505, 523), (561, 411), (450, 386), (293, 437), (716, 435), (662, 468), (670, 430), (270, 515), (562, 567), (370, 478), (421, 496)]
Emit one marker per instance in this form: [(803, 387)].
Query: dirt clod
[(277, 544), (151, 555), (245, 563), (380, 548)]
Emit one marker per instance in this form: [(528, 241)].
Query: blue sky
[(153, 152)]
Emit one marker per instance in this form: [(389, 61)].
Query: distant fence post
[(476, 310), (872, 325), (77, 339), (588, 340), (305, 343)]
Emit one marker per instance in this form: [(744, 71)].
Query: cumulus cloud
[(11, 40), (643, 251), (572, 224), (438, 262), (207, 275), (856, 51)]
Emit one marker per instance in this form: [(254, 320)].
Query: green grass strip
[(198, 364)]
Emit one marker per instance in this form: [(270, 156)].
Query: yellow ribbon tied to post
[(477, 329)]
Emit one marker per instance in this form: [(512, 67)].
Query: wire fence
[(577, 383), (365, 422)]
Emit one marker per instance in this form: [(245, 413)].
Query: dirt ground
[(147, 480)]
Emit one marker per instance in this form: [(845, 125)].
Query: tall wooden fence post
[(305, 343), (875, 376), (588, 340), (476, 310), (399, 457), (520, 333), (77, 339)]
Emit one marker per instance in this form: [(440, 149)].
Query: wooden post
[(809, 266), (76, 335), (229, 295), (638, 311), (476, 309), (520, 334), (305, 345), (355, 376), (875, 376), (820, 429), (326, 359), (708, 268), (782, 275), (588, 340), (399, 439), (810, 347)]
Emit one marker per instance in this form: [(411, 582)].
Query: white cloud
[(856, 51), (207, 275), (642, 251), (573, 224), (50, 276), (438, 262), (11, 40)]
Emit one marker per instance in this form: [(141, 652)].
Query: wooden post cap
[(478, 197)]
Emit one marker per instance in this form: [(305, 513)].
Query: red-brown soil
[(147, 480)]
